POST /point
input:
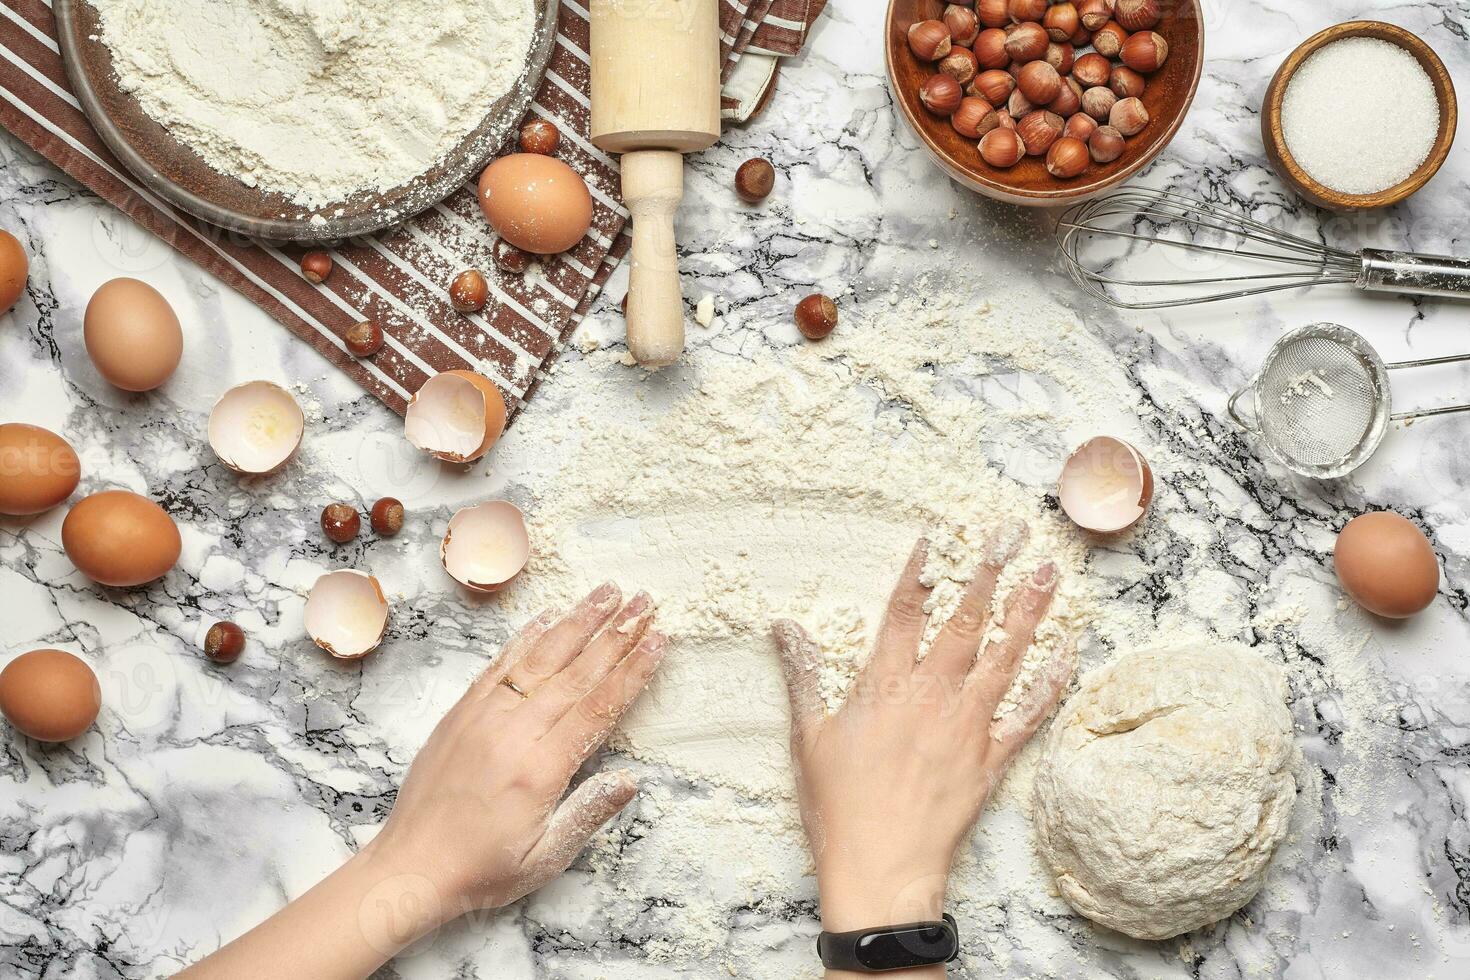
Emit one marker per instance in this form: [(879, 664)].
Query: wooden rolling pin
[(655, 97)]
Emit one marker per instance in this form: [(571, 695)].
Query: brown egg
[(49, 695), (119, 538), (14, 267), (38, 470), (1387, 565), (536, 202), (132, 335)]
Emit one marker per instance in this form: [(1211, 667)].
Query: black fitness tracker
[(890, 947)]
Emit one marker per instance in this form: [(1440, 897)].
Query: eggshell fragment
[(132, 335), (1106, 486), (49, 695), (347, 614), (456, 416), (256, 427), (121, 539), (486, 546), (38, 469), (1387, 565)]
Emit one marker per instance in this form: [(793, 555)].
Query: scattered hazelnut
[(1039, 130), (469, 291), (961, 65), (941, 94), (755, 179), (224, 643), (1106, 144), (1018, 105), (1092, 69), (994, 86), (386, 517), (1067, 158), (990, 48), (1080, 126), (364, 339), (1022, 11), (1144, 52), (1061, 57), (1061, 21), (1027, 42), (1002, 148), (1126, 83), (1094, 13), (1108, 40), (1039, 83), (1128, 117), (929, 40), (340, 522), (963, 24), (510, 259), (993, 13), (1098, 101), (540, 136), (316, 266), (816, 316), (967, 118), (1069, 100), (1137, 15)]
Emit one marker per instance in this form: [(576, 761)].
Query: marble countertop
[(206, 797)]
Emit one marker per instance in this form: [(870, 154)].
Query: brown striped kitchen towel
[(399, 277)]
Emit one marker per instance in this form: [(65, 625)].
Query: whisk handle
[(1414, 273)]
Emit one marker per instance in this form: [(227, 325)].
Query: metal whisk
[(1322, 400), (1199, 240)]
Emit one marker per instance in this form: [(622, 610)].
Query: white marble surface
[(207, 796)]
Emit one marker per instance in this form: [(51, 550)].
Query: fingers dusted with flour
[(517, 648), (1000, 661), (905, 619), (589, 807), (560, 643), (602, 654), (588, 723), (1014, 730), (801, 663)]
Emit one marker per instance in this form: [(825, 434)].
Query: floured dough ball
[(1164, 787)]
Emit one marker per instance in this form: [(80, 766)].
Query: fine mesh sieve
[(1323, 401)]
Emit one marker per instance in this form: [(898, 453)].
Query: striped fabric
[(399, 277)]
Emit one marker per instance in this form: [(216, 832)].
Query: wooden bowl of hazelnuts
[(1039, 102)]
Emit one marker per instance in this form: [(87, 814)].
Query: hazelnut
[(1081, 39), (1039, 130), (1018, 105), (994, 86), (1108, 39), (1126, 83), (755, 180), (993, 13), (1106, 144), (1002, 148), (469, 291), (1144, 51), (1069, 100), (540, 136), (816, 316), (1128, 117), (962, 23), (1092, 69), (1039, 83), (363, 339), (1080, 126), (1061, 57), (1137, 15), (968, 117), (990, 48), (1094, 13), (224, 643), (386, 517), (510, 259), (340, 522), (961, 65), (1022, 11), (929, 40), (1026, 42), (993, 119), (1061, 21), (1098, 101), (941, 94), (316, 266), (1067, 158)]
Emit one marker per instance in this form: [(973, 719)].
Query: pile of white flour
[(318, 99)]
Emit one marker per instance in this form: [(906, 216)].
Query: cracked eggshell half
[(486, 545), (1106, 486), (347, 614), (456, 416), (256, 427)]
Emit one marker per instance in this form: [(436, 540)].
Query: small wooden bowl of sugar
[(1360, 116)]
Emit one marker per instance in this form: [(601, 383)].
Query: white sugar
[(1360, 115)]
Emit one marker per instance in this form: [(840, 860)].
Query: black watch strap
[(890, 947)]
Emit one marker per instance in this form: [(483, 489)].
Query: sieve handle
[(1233, 406), (1414, 273)]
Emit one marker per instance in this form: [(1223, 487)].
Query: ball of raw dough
[(1164, 787)]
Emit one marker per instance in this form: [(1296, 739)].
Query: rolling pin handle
[(653, 186)]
